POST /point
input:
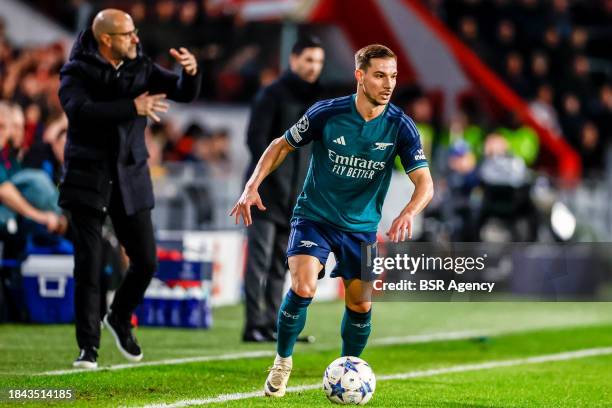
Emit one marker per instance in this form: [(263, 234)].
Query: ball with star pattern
[(349, 381)]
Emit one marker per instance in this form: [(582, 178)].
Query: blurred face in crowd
[(165, 9), (545, 94), (581, 66), (571, 104), (605, 96), (422, 110), (378, 80), (539, 65), (505, 31), (514, 64), (590, 136), (188, 12), (308, 64), (116, 34), (469, 28)]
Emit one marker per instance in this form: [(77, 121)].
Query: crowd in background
[(557, 60), (236, 57), (555, 55)]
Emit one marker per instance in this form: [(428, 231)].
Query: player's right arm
[(269, 161), (307, 129)]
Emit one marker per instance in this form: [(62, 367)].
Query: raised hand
[(150, 105), (186, 59)]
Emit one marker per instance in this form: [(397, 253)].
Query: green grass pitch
[(486, 332)]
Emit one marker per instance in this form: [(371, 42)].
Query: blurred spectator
[(572, 119), (540, 69), (468, 31), (462, 178), (48, 154), (603, 112), (29, 194), (185, 146), (421, 111), (579, 39), (542, 107), (591, 151), (515, 76), (507, 210)]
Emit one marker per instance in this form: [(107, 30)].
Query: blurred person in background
[(108, 89), (28, 194), (507, 213), (276, 108)]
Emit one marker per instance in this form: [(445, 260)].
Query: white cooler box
[(48, 288)]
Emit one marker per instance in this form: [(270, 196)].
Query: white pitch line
[(419, 338), (173, 361), (570, 355)]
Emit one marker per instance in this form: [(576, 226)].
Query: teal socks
[(291, 322), (356, 328)]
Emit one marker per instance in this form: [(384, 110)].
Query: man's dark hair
[(364, 55), (306, 42)]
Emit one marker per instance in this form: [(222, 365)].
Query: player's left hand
[(401, 226), (186, 59)]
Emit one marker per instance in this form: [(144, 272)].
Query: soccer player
[(355, 140)]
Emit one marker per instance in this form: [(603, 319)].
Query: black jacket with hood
[(105, 133)]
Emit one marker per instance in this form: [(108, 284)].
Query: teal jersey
[(352, 161)]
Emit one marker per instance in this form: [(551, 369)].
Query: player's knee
[(304, 289), (360, 307)]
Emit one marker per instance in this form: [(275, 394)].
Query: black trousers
[(265, 273), (135, 234)]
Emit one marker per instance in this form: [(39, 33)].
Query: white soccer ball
[(349, 380)]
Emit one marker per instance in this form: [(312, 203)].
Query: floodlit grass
[(517, 331)]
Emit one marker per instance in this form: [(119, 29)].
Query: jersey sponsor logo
[(381, 146), (420, 155), (296, 135), (307, 244), (302, 124), (355, 167), (340, 141), (355, 161)]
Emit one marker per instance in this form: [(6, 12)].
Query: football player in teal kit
[(355, 140)]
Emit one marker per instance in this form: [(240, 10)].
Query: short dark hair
[(364, 55), (306, 42)]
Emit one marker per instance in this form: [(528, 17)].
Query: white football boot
[(276, 383)]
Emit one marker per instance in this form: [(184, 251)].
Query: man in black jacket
[(108, 89), (276, 108)]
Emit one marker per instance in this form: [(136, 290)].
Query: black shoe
[(257, 336), (87, 358), (125, 340)]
